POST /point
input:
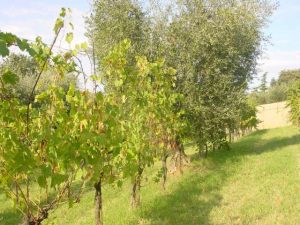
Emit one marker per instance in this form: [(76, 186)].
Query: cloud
[(29, 19), (287, 8), (12, 13), (275, 61)]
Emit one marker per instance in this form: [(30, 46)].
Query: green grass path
[(256, 182)]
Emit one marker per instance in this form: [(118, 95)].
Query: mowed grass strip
[(256, 182)]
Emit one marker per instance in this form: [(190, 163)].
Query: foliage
[(214, 47), (294, 103), (279, 89), (106, 137), (263, 86), (201, 187), (41, 146), (27, 70), (61, 136), (275, 93), (114, 21), (146, 113), (289, 76)]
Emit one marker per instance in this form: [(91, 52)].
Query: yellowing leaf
[(123, 98), (69, 37)]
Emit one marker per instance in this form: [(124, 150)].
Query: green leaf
[(58, 25), (57, 179), (119, 183), (84, 45), (100, 139), (31, 51), (22, 44), (94, 77), (4, 51), (8, 38), (99, 97), (41, 97), (62, 12), (71, 90), (69, 37), (9, 77), (42, 181), (118, 83)]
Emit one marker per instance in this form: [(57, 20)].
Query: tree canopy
[(168, 76)]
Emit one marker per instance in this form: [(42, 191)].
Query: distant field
[(256, 182), (273, 115)]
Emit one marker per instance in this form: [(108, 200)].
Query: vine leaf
[(9, 77), (4, 51), (58, 25), (69, 37)]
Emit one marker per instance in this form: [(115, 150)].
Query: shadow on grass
[(192, 199), (275, 144), (190, 202), (253, 144)]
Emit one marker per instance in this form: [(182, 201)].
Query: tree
[(289, 76), (277, 92), (113, 21), (39, 146), (215, 51), (145, 113), (273, 82), (26, 68), (146, 109), (263, 86), (294, 103)]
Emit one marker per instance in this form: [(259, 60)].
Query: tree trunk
[(200, 152), (164, 170), (31, 220), (181, 154), (17, 193), (180, 160), (98, 202), (136, 188), (26, 220)]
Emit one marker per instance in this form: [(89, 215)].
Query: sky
[(283, 52), (31, 18)]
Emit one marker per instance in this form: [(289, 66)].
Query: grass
[(256, 182)]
